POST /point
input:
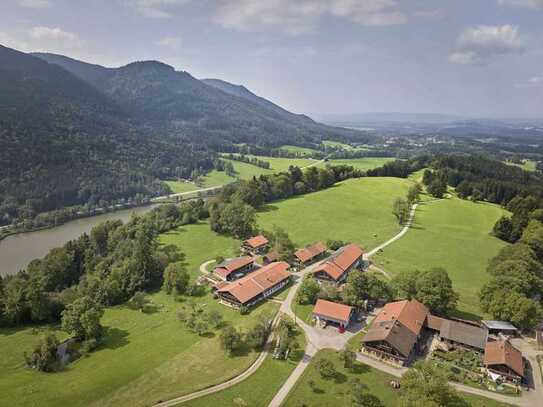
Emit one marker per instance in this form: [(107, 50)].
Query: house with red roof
[(256, 286), (395, 332), (503, 359), (337, 267), (332, 312), (255, 245), (233, 269), (309, 254)]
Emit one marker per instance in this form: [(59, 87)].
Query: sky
[(465, 57)]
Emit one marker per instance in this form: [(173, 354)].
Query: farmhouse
[(395, 331), (309, 254), (337, 267), (332, 312), (234, 268), (502, 358), (256, 286), (255, 245)]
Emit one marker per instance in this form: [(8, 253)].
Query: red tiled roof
[(272, 256), (310, 252), (503, 353), (257, 241), (228, 267), (395, 333), (248, 287), (339, 262), (411, 313), (333, 310)]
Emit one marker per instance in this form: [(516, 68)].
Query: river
[(17, 251)]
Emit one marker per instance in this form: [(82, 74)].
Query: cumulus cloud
[(170, 42), (34, 3), (295, 17), (522, 3), (53, 34), (479, 45), (157, 8)]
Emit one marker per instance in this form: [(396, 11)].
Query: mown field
[(348, 147), (356, 210), (453, 234), (145, 357), (336, 391), (364, 164), (298, 150), (527, 165), (260, 388)]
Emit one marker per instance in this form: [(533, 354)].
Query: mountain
[(211, 111), (74, 133)]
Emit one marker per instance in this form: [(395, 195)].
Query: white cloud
[(522, 3), (8, 41), (52, 34), (157, 8), (296, 17), (481, 44), (533, 82), (34, 3), (170, 42)]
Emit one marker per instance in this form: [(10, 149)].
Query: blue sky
[(468, 57)]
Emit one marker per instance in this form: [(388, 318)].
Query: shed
[(500, 327), (333, 312), (463, 334)]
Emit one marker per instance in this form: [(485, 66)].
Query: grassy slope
[(527, 165), (365, 163), (298, 150), (357, 210), (336, 392), (179, 186), (146, 357), (259, 388), (453, 234)]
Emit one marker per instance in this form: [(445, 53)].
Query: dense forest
[(73, 133)]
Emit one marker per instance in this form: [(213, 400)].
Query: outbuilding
[(332, 312), (503, 359), (500, 327), (256, 245)]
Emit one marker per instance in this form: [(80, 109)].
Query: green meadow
[(299, 150), (364, 164), (356, 210), (337, 392), (453, 234), (259, 388), (145, 357)]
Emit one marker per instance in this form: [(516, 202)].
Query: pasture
[(145, 357), (453, 234)]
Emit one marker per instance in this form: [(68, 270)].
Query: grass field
[(145, 356), (453, 234), (260, 387), (180, 186), (527, 165), (348, 147), (336, 391), (356, 210), (366, 163), (299, 150)]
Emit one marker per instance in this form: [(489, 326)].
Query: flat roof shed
[(501, 326)]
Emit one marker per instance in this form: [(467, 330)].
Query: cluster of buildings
[(401, 330), (243, 282)]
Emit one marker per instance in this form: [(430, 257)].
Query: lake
[(17, 251)]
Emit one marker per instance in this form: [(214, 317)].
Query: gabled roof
[(434, 322), (464, 334), (341, 261), (410, 313), (250, 286), (503, 353), (333, 310), (231, 266), (310, 252), (257, 241), (272, 256), (394, 333)]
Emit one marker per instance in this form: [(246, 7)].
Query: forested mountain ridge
[(73, 133), (209, 110)]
